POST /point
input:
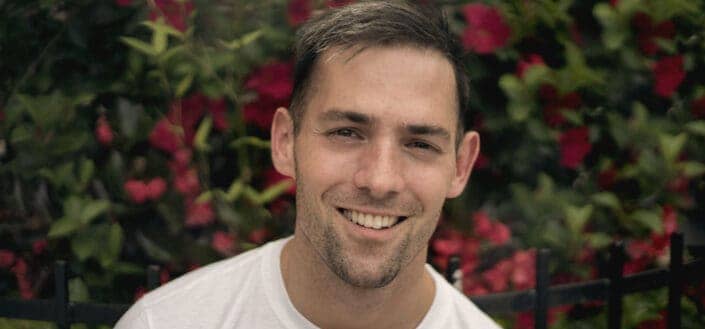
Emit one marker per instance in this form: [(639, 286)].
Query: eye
[(344, 133), (423, 146)]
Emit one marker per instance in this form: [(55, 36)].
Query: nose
[(380, 171)]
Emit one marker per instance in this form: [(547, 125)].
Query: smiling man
[(374, 138)]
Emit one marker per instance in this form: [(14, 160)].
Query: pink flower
[(486, 30), (186, 182), (175, 12), (574, 146), (103, 132), (136, 191), (218, 110), (668, 75), (482, 223), (697, 108), (497, 277), (223, 242), (528, 61), (7, 258), (298, 11), (199, 214), (155, 188), (21, 271), (523, 274), (500, 234)]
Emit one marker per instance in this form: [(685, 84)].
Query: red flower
[(39, 246), (7, 258), (497, 277), (500, 234), (528, 61), (259, 236), (136, 190), (21, 272), (523, 274), (574, 145), (648, 32), (697, 108), (199, 214), (668, 75), (482, 223), (123, 3), (658, 323), (175, 12), (486, 30), (103, 132), (273, 84), (164, 136), (139, 292), (223, 242), (556, 104), (218, 109), (139, 191), (606, 178), (298, 11), (273, 80)]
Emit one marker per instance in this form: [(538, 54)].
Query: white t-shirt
[(247, 291)]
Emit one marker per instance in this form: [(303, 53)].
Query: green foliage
[(86, 90)]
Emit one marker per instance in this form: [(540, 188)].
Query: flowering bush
[(135, 132)]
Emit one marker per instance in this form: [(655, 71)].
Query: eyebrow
[(429, 130), (341, 115)]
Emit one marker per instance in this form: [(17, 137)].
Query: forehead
[(400, 84)]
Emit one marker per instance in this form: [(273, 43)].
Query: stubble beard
[(318, 230)]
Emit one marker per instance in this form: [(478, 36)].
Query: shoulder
[(458, 310), (208, 290)]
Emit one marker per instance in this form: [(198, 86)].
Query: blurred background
[(135, 132)]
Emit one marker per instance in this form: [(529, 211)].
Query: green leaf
[(275, 190), (183, 85), (86, 243), (159, 41), (696, 127), (250, 141), (577, 217), (139, 45), (234, 190), (201, 138), (598, 240), (648, 219), (93, 209), (607, 199), (78, 291), (126, 268), (692, 168), (163, 28), (86, 171), (671, 146), (614, 33), (152, 249), (113, 246), (244, 40), (63, 227)]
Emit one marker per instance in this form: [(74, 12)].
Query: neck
[(329, 302)]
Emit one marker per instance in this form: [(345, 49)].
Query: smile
[(372, 221)]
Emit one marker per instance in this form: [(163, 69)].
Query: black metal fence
[(610, 290)]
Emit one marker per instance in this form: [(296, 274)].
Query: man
[(375, 141)]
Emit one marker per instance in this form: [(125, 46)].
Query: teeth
[(369, 220)]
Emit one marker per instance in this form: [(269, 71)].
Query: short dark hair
[(370, 24)]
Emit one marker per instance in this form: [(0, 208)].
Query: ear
[(282, 143), (467, 153)]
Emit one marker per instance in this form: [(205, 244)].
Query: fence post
[(152, 277), (675, 281), (543, 282), (614, 302), (61, 295)]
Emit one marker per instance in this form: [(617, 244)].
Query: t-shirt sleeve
[(134, 318)]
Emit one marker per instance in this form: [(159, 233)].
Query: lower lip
[(364, 233)]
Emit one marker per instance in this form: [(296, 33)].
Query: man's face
[(375, 159)]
